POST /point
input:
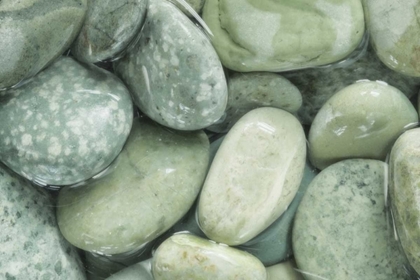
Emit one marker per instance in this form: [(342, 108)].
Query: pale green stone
[(139, 271), (157, 177), (254, 176), (266, 35), (361, 121), (197, 5), (253, 90), (342, 228), (404, 194), (395, 32), (284, 271), (185, 256)]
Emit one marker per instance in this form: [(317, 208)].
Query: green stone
[(197, 5), (185, 256), (284, 271), (266, 35), (361, 121), (342, 229), (254, 176), (138, 271), (157, 177)]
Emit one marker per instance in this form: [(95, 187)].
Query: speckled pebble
[(341, 229), (31, 244), (35, 32), (65, 126), (110, 26), (248, 91), (174, 73)]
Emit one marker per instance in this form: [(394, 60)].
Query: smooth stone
[(263, 35), (248, 91), (317, 85), (394, 31), (185, 256), (265, 154), (284, 271), (31, 244), (109, 28), (65, 126), (341, 228), (35, 32), (403, 189), (139, 271), (361, 121), (156, 180), (275, 243), (174, 73)]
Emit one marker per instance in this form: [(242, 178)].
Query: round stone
[(35, 32), (361, 121), (254, 176), (65, 126), (341, 228), (185, 256), (174, 74), (157, 178)]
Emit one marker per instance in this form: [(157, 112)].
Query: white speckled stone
[(361, 121), (65, 126), (156, 180), (139, 271), (185, 256), (284, 271), (248, 91), (254, 176), (110, 26), (31, 244), (174, 73), (341, 229), (33, 33)]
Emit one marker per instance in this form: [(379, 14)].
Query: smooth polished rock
[(342, 228), (174, 74), (264, 35), (361, 121), (157, 177), (33, 33), (248, 91), (110, 26), (254, 176), (317, 85), (404, 178), (185, 256), (139, 271), (284, 271), (31, 244), (65, 126), (395, 31)]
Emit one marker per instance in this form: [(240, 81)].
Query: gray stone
[(254, 176), (31, 244), (174, 73), (248, 91), (284, 271), (317, 85), (341, 229), (361, 121), (196, 5), (157, 177), (110, 26), (185, 256), (139, 271), (65, 126), (33, 33)]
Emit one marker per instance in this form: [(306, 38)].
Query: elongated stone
[(185, 256), (31, 244), (361, 121), (404, 171), (265, 156), (341, 229), (156, 180), (110, 26), (174, 73), (262, 35), (33, 33), (394, 30), (253, 90), (65, 126)]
